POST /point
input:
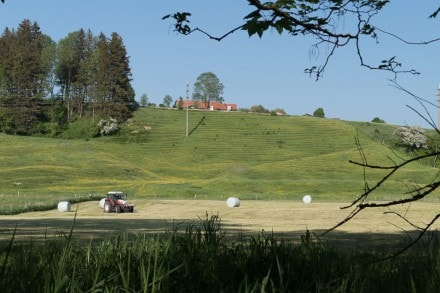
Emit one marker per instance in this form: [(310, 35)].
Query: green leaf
[(253, 15), (283, 24), (434, 15), (252, 27)]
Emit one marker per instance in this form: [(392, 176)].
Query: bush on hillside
[(85, 128), (413, 137), (319, 113), (377, 120), (108, 127), (259, 109)]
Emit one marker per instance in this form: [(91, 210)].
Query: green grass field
[(226, 154), (246, 155)]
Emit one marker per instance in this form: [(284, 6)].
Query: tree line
[(45, 85)]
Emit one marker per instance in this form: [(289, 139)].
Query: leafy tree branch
[(319, 19)]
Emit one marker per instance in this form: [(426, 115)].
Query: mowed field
[(269, 162), (285, 219)]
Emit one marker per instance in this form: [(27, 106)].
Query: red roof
[(212, 105)]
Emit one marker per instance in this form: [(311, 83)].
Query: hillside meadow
[(197, 243), (226, 154)]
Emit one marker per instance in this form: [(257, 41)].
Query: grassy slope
[(227, 154)]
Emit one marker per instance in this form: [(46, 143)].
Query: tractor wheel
[(107, 207), (118, 209)]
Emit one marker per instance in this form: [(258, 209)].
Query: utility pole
[(438, 107), (187, 108)]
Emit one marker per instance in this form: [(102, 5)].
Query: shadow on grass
[(87, 229), (197, 126)]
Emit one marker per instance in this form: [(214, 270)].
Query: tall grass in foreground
[(202, 259)]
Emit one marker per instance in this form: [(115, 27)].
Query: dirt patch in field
[(285, 219)]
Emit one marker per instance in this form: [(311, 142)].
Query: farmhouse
[(207, 106)]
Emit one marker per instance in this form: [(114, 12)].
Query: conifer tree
[(91, 75), (121, 92), (23, 75)]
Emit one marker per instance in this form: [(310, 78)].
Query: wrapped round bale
[(307, 199), (64, 206), (233, 202), (101, 203)]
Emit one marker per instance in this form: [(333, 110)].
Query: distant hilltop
[(206, 106)]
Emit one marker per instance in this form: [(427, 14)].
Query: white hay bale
[(233, 202), (64, 206), (101, 203), (307, 199)]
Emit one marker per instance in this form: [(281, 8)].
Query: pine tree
[(92, 76), (121, 92), (24, 72)]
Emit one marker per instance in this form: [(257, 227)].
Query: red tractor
[(116, 201)]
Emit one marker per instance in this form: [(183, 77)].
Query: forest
[(45, 85)]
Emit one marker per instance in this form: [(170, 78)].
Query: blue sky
[(267, 71)]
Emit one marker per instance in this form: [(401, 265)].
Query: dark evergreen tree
[(6, 100), (122, 95), (91, 75), (23, 77)]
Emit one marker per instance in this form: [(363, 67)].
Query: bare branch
[(408, 42), (360, 201), (411, 244), (404, 219), (217, 38), (427, 116)]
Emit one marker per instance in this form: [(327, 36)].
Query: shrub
[(377, 120), (84, 128), (108, 127), (412, 137), (259, 109)]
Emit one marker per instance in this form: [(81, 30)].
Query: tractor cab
[(116, 195)]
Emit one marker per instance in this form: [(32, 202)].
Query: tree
[(319, 113), (143, 100), (73, 71), (101, 81), (112, 95), (24, 68), (49, 59), (377, 120), (180, 104), (94, 76), (86, 75), (208, 88), (167, 100), (121, 93)]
